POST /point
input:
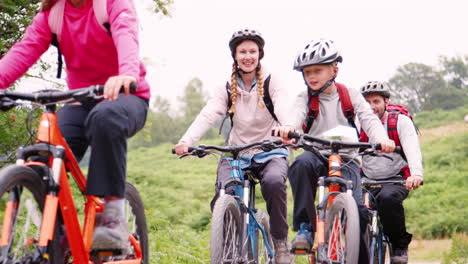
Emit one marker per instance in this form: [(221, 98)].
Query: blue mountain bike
[(236, 223)]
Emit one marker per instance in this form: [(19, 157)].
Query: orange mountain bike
[(337, 230), (39, 209)]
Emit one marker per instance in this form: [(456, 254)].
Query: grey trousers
[(272, 175)]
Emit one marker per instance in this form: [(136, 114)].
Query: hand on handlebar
[(181, 148), (283, 132), (115, 83), (413, 182), (387, 146)]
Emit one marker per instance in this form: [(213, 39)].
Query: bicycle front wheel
[(225, 231), (260, 249), (22, 193), (342, 230)]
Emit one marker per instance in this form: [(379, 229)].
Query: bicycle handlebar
[(336, 144), (48, 96), (203, 150)]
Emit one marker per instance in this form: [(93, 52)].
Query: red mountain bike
[(39, 209)]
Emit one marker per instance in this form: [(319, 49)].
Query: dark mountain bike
[(380, 248)]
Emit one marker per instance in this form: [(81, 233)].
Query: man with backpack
[(325, 105), (408, 165)]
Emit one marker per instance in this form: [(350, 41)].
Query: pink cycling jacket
[(91, 54)]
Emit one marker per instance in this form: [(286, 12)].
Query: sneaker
[(400, 255), (303, 241), (111, 231), (282, 253)]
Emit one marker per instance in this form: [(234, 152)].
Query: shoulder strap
[(55, 22), (100, 12), (346, 105), (267, 98), (56, 18), (313, 112)]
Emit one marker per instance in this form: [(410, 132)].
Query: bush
[(459, 252)]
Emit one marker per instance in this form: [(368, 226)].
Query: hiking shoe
[(400, 255), (111, 231), (282, 253), (303, 241)]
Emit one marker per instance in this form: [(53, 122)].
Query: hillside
[(177, 195)]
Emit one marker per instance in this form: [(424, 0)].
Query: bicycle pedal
[(106, 252), (302, 251)]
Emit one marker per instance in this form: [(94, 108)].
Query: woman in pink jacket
[(252, 122), (93, 55)]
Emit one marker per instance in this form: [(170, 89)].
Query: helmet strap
[(323, 88)]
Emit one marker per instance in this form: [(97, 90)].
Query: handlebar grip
[(397, 149), (133, 88), (190, 149), (292, 135)]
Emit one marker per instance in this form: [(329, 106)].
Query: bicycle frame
[(334, 182), (62, 161), (244, 189)]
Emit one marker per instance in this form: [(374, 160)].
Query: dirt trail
[(457, 128)]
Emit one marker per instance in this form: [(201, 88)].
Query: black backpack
[(267, 99)]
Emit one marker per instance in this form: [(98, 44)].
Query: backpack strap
[(55, 22), (312, 113), (346, 107), (267, 98), (100, 12)]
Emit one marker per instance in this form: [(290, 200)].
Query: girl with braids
[(251, 122), (93, 56)]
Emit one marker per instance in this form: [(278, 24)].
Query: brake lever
[(6, 104), (372, 152)]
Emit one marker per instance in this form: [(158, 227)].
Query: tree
[(456, 70), (413, 85), (193, 100)]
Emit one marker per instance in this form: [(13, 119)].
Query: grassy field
[(177, 193)]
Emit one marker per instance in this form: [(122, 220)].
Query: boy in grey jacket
[(318, 64)]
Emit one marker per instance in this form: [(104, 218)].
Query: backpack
[(346, 107), (267, 99), (392, 120), (56, 21)]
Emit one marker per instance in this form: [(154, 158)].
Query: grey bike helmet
[(322, 51), (381, 88), (246, 34)]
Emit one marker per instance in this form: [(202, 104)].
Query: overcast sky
[(375, 37)]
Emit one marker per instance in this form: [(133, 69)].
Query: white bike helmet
[(246, 34), (371, 87), (320, 51)]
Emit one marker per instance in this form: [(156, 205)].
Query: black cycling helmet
[(246, 34), (376, 87)]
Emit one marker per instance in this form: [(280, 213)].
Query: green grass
[(177, 194)]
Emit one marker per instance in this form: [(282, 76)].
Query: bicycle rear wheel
[(136, 220), (22, 194), (342, 230), (225, 231), (261, 252)]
